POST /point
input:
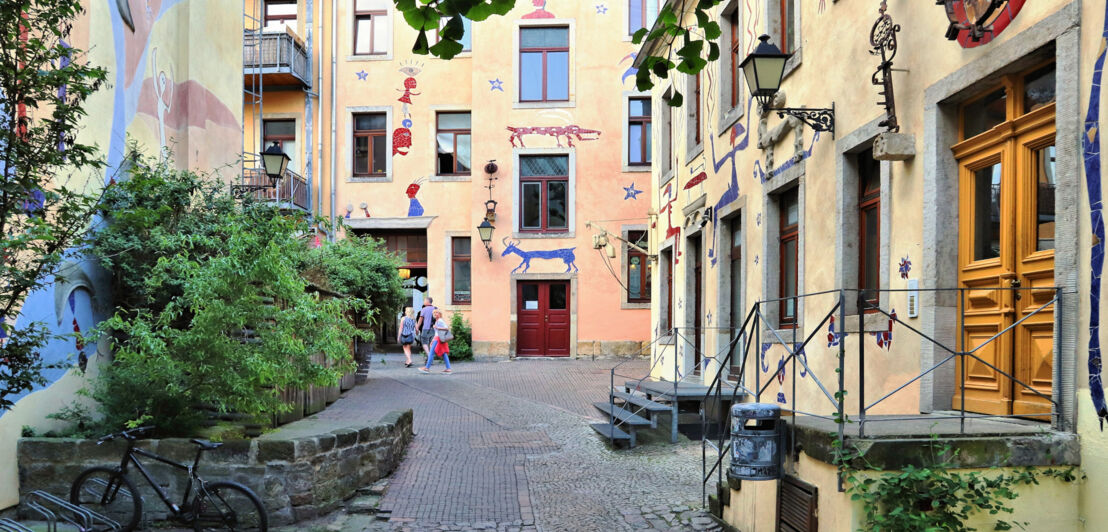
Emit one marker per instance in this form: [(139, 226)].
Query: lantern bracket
[(816, 118)]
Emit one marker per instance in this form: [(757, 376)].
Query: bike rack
[(7, 525), (82, 518)]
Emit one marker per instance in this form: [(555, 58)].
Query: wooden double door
[(543, 318), (1006, 240)]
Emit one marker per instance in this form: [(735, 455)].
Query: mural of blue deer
[(566, 254)]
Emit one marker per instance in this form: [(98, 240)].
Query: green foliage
[(27, 432), (426, 15), (937, 498), (79, 422), (361, 267), (41, 216), (461, 347), (213, 308)]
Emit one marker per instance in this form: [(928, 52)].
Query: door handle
[(1015, 282)]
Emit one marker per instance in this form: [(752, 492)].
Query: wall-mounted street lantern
[(490, 206), (274, 163), (763, 69), (485, 230)]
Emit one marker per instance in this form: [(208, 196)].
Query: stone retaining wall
[(297, 479)]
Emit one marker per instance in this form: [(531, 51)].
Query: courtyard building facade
[(951, 229)]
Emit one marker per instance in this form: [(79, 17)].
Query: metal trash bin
[(757, 441)]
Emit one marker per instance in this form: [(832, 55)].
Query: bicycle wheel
[(228, 506), (110, 493)]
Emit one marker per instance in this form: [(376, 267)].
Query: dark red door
[(543, 319)]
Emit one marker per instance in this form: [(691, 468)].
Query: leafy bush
[(362, 268), (213, 309), (461, 347)]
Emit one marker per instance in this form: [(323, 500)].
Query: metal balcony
[(291, 191), (280, 59)]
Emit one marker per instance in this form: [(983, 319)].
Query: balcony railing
[(291, 191), (278, 57)]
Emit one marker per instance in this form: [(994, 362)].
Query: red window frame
[(372, 135), (456, 257), (545, 51), (544, 200), (787, 10), (789, 235), (639, 239), (361, 15), (454, 133), (266, 17), (644, 140), (736, 33), (644, 15), (667, 259), (696, 111), (869, 204), (269, 139)]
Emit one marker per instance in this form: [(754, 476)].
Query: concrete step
[(642, 402), (366, 504), (610, 431), (622, 415)]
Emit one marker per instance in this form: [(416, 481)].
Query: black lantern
[(275, 161), (763, 69), (485, 230)]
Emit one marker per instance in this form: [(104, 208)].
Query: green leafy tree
[(361, 267), (44, 86), (461, 347), (698, 44), (214, 309)]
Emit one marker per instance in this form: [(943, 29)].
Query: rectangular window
[(371, 31), (459, 257), (666, 130), (280, 13), (544, 64), (453, 142), (467, 39), (370, 145), (665, 258), (736, 35), (696, 111), (638, 132), (788, 26), (641, 14), (789, 232), (869, 225), (638, 269), (282, 133), (544, 191)]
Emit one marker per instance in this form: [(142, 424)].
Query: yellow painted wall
[(174, 82)]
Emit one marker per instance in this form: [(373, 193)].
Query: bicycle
[(220, 505)]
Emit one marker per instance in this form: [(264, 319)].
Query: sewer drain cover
[(512, 439)]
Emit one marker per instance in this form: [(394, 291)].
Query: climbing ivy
[(935, 497), (427, 15)]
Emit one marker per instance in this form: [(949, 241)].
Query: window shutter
[(796, 506)]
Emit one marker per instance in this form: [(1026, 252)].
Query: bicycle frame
[(131, 456)]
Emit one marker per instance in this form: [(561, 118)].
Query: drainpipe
[(334, 58), (311, 163), (319, 109)]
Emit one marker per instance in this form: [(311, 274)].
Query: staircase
[(627, 412), (639, 403)]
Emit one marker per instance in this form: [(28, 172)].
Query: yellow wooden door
[(1006, 240)]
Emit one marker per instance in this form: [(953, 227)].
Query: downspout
[(311, 163), (319, 109), (334, 56)]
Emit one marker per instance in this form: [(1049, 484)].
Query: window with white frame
[(730, 94), (544, 64), (544, 193), (638, 131), (665, 135), (467, 39), (641, 14), (639, 269), (371, 29)]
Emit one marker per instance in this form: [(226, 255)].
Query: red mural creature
[(401, 141), (672, 231), (540, 10), (552, 131), (402, 136)]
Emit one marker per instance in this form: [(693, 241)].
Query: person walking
[(425, 325), (440, 345), (405, 335)]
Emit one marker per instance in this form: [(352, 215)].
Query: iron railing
[(751, 331), (276, 53), (630, 408), (291, 190)]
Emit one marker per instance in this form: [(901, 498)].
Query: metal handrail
[(276, 50), (756, 318), (291, 189)]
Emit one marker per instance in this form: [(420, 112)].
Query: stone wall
[(297, 479)]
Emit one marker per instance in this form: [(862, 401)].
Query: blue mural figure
[(415, 208), (732, 192), (566, 254), (1090, 143)]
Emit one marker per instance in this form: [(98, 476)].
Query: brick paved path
[(506, 446)]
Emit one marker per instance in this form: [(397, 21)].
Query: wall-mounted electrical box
[(913, 298)]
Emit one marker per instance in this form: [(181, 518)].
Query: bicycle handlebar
[(131, 434)]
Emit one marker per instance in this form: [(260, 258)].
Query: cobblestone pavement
[(506, 446)]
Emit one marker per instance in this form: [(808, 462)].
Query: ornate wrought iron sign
[(882, 37), (976, 22)]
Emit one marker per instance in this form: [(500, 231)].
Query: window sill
[(540, 236), (454, 307), (874, 322), (692, 152), (543, 105), (769, 337), (666, 177), (728, 120), (368, 179), (633, 306), (668, 339), (631, 169), (362, 58), (792, 64), (452, 178)]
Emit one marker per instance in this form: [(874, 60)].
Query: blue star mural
[(601, 9), (496, 85), (362, 75), (632, 192)]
